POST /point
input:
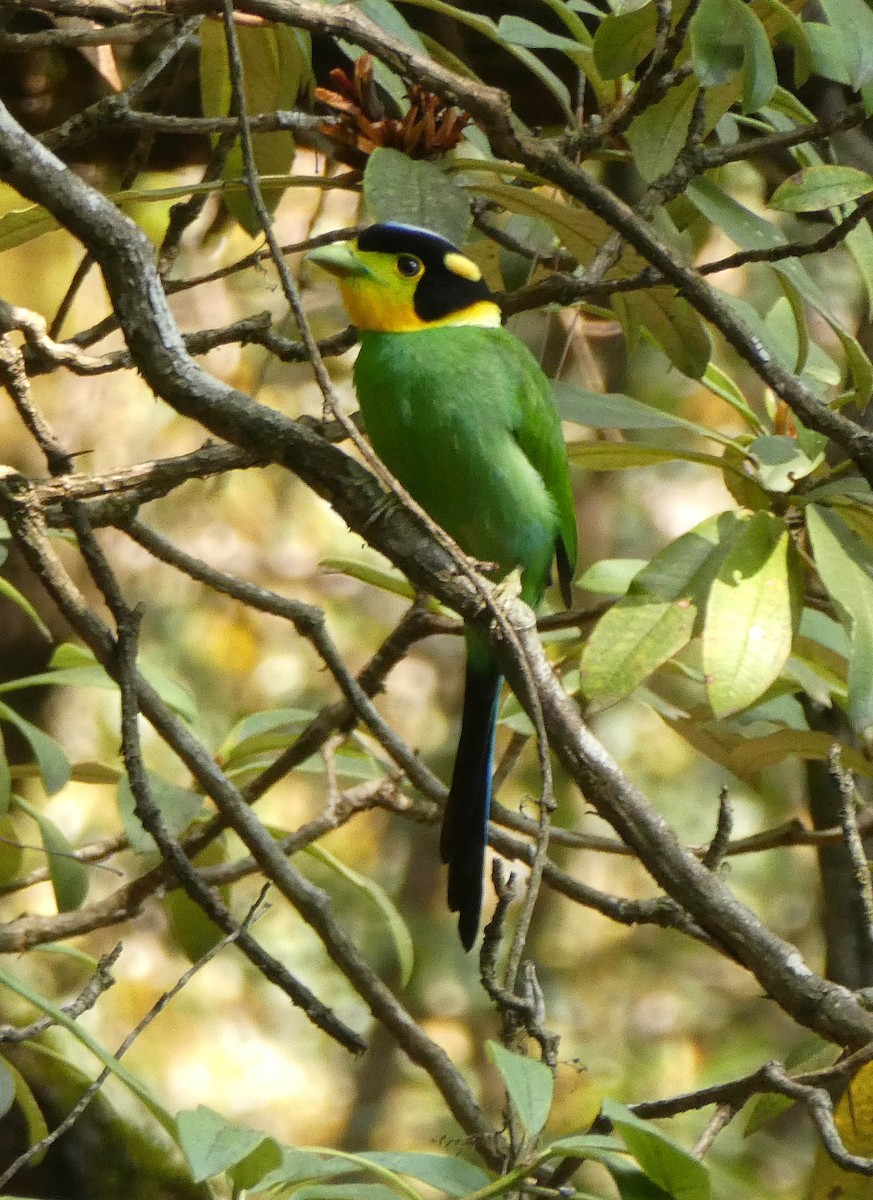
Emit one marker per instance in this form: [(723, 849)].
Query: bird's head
[(399, 278)]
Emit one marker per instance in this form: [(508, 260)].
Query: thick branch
[(127, 262)]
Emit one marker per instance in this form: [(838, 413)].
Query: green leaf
[(377, 895), (786, 27), (390, 21), (173, 693), (71, 654), (308, 1165), (765, 1109), (345, 1191), (191, 928), (299, 1166), (213, 72), (659, 133), (54, 766), (518, 31), (859, 243), (611, 576), (7, 1089), (716, 43), (11, 850), (746, 229), (533, 234), (745, 756), (721, 384), (728, 38), (786, 322), (529, 1085), (75, 665), (12, 593), (69, 876), (623, 40), (781, 462), (845, 565), (659, 614), (632, 1184), (28, 1105), (74, 677), (751, 232), (620, 456), (665, 1162), (260, 1162), (585, 1145), (22, 225), (488, 29), (453, 1176), (550, 81), (852, 21), (389, 579), (673, 324), (614, 410), (178, 807), (212, 1144), (750, 615), (834, 56), (398, 188), (351, 763), (820, 187), (69, 665), (272, 729), (759, 69), (5, 778)]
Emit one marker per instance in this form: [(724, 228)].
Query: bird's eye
[(408, 266)]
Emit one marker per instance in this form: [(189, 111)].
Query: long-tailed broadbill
[(461, 413)]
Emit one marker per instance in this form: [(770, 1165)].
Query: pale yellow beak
[(339, 258)]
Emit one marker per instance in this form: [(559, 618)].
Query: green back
[(463, 416)]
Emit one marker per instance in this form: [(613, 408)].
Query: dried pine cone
[(429, 128)]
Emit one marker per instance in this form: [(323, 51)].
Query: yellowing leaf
[(750, 615), (854, 1121), (658, 615), (746, 756)]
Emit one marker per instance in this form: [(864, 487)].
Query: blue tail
[(465, 823)]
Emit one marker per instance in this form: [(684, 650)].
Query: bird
[(460, 412)]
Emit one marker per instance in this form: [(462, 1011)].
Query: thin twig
[(717, 848), (100, 981), (852, 837), (40, 1147)]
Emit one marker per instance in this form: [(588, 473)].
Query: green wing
[(537, 429)]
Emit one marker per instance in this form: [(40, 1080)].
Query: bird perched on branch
[(460, 412)]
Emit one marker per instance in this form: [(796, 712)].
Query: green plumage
[(463, 416)]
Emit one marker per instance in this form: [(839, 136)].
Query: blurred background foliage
[(641, 1012)]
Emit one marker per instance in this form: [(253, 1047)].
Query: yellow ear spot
[(459, 264)]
